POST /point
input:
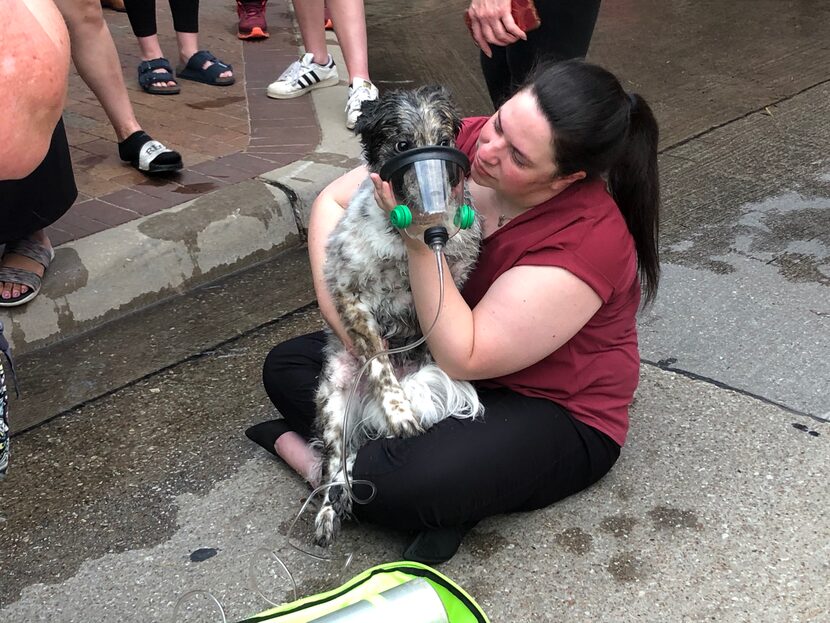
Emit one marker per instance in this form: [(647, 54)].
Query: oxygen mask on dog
[(428, 184)]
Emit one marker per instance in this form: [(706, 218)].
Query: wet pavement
[(141, 486)]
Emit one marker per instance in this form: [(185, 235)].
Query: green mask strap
[(400, 217), (465, 216)]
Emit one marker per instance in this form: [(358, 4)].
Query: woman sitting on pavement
[(564, 177), (155, 74)]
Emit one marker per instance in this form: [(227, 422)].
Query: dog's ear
[(442, 98), (368, 112)]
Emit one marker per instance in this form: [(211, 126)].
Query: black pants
[(42, 197), (526, 453), (142, 15), (565, 32)]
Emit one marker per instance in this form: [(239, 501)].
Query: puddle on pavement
[(219, 102), (195, 189)]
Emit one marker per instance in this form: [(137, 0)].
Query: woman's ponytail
[(634, 184), (600, 129)]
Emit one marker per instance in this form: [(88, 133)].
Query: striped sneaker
[(303, 76)]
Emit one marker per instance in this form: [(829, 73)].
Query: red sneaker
[(252, 23)]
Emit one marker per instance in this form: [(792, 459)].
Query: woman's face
[(514, 154)]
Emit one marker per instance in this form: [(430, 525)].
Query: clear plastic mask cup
[(428, 185)]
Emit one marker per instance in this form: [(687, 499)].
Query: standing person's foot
[(252, 24), (302, 76), (360, 91), (147, 155), (22, 267)]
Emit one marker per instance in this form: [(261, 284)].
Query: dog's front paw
[(326, 526), (405, 425)]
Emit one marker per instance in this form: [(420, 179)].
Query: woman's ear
[(561, 182)]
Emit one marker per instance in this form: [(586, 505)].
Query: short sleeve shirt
[(594, 374)]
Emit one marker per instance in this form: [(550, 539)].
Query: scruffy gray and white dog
[(367, 275)]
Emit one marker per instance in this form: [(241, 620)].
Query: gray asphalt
[(717, 510)]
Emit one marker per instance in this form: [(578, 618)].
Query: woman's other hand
[(491, 21), (383, 193)]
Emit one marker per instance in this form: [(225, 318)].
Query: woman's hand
[(491, 21), (385, 198), (383, 193)]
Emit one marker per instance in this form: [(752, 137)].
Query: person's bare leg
[(301, 457), (189, 45), (310, 16), (96, 60), (12, 260), (349, 20)]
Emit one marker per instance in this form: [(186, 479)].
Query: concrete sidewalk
[(252, 165)]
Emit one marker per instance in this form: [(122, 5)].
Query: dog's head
[(404, 119)]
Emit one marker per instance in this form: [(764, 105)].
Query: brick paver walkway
[(225, 134)]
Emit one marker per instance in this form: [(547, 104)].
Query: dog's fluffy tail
[(435, 396)]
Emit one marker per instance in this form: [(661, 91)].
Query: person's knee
[(82, 16), (276, 363), (284, 370), (272, 368)]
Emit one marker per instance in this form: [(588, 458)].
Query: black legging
[(42, 197), (565, 33), (526, 453), (142, 14)]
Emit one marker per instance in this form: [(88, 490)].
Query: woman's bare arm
[(326, 211)]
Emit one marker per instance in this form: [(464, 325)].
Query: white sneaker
[(360, 91), (302, 76)]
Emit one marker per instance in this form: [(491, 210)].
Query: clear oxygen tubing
[(190, 594), (437, 248), (255, 583)]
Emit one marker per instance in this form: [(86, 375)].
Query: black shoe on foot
[(147, 155), (432, 547), (265, 434)]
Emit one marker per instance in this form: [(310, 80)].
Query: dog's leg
[(335, 379), (381, 381)]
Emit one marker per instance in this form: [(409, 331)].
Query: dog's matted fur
[(367, 275)]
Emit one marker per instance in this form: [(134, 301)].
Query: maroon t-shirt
[(595, 373)]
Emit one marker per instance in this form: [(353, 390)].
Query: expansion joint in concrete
[(749, 113), (667, 365)]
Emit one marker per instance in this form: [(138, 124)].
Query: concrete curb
[(121, 270)]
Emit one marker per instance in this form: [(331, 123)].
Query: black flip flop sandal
[(210, 75), (149, 78), (147, 155)]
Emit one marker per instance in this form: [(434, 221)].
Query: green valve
[(465, 216), (400, 217)]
